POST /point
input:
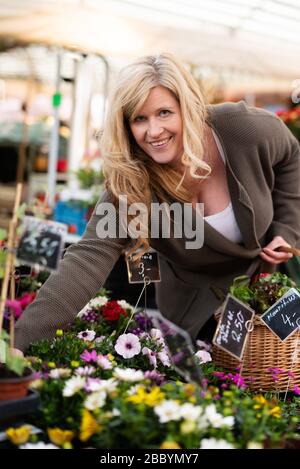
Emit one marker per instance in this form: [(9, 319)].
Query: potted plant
[(15, 374)]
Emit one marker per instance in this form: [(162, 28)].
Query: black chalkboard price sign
[(41, 243), (283, 318), (234, 325), (146, 269)]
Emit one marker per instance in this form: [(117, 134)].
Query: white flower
[(156, 334), (116, 412), (164, 358), (203, 356), (133, 389), (99, 339), (93, 385), (203, 345), (128, 374), (190, 412), (213, 443), (151, 356), (39, 445), (168, 410), (217, 420), (73, 385), (97, 302), (128, 345), (87, 335), (125, 305), (95, 400), (58, 373), (104, 362), (108, 385), (84, 370)]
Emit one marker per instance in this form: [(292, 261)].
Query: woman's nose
[(154, 129)]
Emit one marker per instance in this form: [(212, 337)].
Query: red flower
[(257, 277), (112, 311)]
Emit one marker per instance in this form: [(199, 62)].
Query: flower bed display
[(107, 382)]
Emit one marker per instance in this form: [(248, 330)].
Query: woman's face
[(157, 128)]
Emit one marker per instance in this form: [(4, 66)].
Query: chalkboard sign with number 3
[(145, 269)]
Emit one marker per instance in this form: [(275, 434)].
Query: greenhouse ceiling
[(251, 36)]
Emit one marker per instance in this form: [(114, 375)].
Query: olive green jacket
[(263, 173)]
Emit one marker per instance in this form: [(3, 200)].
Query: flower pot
[(15, 387)]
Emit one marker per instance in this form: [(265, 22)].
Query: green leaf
[(3, 234), (16, 364)]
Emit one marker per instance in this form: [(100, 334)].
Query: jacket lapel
[(241, 202)]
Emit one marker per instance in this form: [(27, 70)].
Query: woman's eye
[(139, 118), (164, 113)]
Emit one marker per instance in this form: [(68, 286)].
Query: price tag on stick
[(283, 317), (41, 242), (147, 268), (234, 325)]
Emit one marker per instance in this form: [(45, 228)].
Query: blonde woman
[(162, 144)]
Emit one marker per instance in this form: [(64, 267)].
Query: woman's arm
[(81, 273), (286, 191)]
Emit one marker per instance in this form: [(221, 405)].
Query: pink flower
[(88, 357), (104, 362), (14, 305), (128, 345), (296, 390), (150, 355)]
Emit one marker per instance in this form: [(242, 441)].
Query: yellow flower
[(152, 398), (261, 401), (168, 444), (88, 426), (59, 332), (275, 412), (18, 436), (36, 384), (51, 365), (110, 357), (189, 389), (187, 426), (59, 436), (74, 363)]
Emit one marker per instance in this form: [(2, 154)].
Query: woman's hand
[(269, 253)]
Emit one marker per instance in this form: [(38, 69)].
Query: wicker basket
[(264, 352)]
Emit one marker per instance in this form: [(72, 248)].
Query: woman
[(161, 143)]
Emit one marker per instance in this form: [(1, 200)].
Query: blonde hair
[(127, 168)]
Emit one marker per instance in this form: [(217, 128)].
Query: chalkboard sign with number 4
[(283, 317), (41, 243), (146, 269), (234, 325)]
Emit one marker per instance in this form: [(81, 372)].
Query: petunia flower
[(128, 345)]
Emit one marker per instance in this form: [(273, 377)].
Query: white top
[(225, 222)]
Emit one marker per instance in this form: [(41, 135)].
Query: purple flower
[(155, 376), (90, 316), (144, 323)]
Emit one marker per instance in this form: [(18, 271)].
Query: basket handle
[(289, 249)]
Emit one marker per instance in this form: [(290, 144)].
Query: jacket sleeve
[(81, 273), (286, 190)]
